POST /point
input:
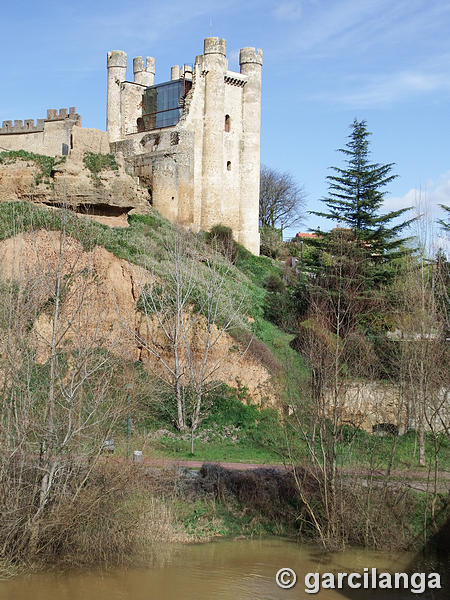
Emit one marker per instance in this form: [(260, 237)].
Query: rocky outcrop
[(100, 308), (110, 193)]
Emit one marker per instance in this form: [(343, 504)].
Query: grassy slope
[(141, 243)]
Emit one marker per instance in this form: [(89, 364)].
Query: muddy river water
[(222, 570)]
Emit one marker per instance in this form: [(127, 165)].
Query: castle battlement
[(193, 140), (29, 126)]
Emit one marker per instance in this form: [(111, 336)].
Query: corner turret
[(144, 73), (117, 72), (250, 60)]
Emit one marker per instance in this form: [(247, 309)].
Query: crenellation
[(144, 72), (251, 55), (215, 45), (27, 126), (51, 136), (54, 115), (175, 72)]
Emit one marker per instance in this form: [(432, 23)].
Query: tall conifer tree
[(355, 197)]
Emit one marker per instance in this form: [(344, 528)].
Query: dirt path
[(403, 475)]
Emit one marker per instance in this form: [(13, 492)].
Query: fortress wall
[(366, 404), (50, 136), (31, 142), (163, 160), (185, 177), (54, 140), (85, 139), (145, 142)]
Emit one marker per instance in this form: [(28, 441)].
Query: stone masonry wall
[(50, 136)]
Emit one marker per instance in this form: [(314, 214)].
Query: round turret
[(175, 72), (215, 45), (251, 56), (117, 73), (144, 72), (117, 58)]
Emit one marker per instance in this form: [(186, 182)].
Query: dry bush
[(289, 496), (269, 492), (107, 514), (258, 350)]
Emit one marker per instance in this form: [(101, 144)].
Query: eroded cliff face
[(99, 308), (107, 196)]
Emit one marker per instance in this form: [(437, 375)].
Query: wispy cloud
[(288, 11), (348, 25), (127, 26), (432, 194), (382, 89)]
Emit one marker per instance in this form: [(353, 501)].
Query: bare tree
[(281, 199), (188, 308), (58, 398)]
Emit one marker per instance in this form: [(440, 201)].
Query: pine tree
[(445, 222), (356, 194)]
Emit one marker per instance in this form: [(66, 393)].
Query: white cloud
[(386, 89), (425, 202), (288, 11), (431, 195), (369, 24)]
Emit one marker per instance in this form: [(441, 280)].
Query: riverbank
[(125, 511)]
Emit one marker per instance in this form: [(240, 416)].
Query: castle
[(193, 142)]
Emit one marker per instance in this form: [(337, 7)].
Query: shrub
[(228, 409), (271, 241), (221, 239)]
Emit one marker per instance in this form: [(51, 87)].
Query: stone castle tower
[(193, 141)]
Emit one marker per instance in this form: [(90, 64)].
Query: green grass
[(204, 519), (45, 164), (96, 163), (368, 449), (243, 452), (257, 268)]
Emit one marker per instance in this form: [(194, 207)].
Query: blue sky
[(325, 62)]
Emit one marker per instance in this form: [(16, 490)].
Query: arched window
[(227, 123), (228, 165)]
